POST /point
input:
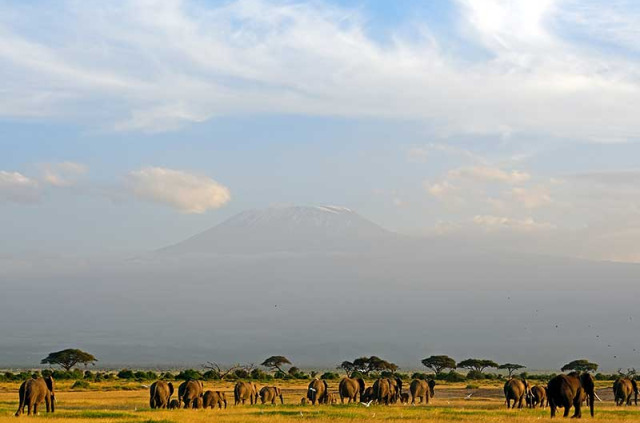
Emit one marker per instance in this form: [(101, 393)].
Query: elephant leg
[(29, 409), (35, 408), (46, 404)]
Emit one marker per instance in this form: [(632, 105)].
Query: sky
[(130, 125)]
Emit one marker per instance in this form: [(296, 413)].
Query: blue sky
[(132, 125)]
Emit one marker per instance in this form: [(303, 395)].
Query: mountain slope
[(290, 229)]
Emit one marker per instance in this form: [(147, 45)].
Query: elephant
[(174, 404), (270, 394), (422, 389), (368, 395), (160, 394), (33, 392), (197, 403), (318, 391), (350, 388), (213, 398), (404, 398), (623, 388), (571, 389), (537, 396), (387, 390), (332, 398), (245, 391), (396, 388), (189, 391), (516, 390)]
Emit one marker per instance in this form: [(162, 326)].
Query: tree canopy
[(275, 362), (69, 358), (582, 365), (438, 363), (477, 364), (366, 365), (511, 367)]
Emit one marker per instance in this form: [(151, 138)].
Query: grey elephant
[(160, 394), (571, 390), (623, 389), (269, 394), (368, 395), (516, 390), (213, 398), (350, 388), (387, 391), (318, 391), (35, 391), (189, 391), (245, 391), (423, 389), (174, 404)]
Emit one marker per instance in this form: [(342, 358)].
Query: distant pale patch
[(62, 174), (17, 188), (528, 224), (184, 191)]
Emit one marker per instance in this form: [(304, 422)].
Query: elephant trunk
[(53, 402), (592, 399)]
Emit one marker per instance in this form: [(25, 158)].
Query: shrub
[(452, 376), (80, 384), (357, 375), (472, 386), (241, 374), (189, 374), (475, 375), (330, 376), (125, 374), (208, 375)]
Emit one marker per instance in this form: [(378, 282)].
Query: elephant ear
[(361, 384), (170, 388), (586, 380), (635, 385), (278, 391), (326, 387), (50, 383), (399, 382)]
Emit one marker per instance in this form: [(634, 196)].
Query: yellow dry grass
[(110, 403)]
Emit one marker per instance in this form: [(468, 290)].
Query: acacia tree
[(222, 372), (582, 365), (477, 364), (510, 367), (69, 358), (275, 362), (348, 367), (367, 365), (438, 363)]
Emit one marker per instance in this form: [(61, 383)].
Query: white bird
[(145, 386), (301, 415), (366, 404), (468, 396)]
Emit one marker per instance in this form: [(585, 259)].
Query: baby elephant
[(213, 398), (404, 398), (332, 398), (269, 394), (174, 404), (303, 401), (197, 403)]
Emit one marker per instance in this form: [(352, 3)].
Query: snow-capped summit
[(295, 229)]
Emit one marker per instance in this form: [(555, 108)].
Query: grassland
[(115, 402)]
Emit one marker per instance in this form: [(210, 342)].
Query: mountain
[(287, 229)]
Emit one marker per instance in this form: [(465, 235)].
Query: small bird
[(301, 415), (366, 404), (145, 386), (468, 396)]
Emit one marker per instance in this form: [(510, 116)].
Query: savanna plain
[(111, 402)]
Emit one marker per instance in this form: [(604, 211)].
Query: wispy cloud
[(157, 65), (62, 174), (18, 188), (184, 191)]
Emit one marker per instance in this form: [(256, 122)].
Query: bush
[(208, 375), (357, 375), (125, 374), (241, 374), (80, 384), (70, 375), (257, 374), (189, 374), (330, 376), (475, 375), (452, 376), (472, 386)]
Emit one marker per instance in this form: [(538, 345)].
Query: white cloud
[(532, 198), (186, 192), (493, 223), (157, 65), (62, 174), (440, 189), (490, 174), (18, 188)]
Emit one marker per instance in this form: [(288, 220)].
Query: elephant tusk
[(594, 393)]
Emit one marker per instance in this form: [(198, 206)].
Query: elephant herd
[(563, 391)]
